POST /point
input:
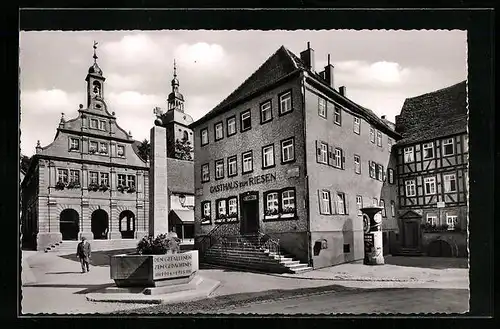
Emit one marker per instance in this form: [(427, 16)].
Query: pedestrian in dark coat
[(83, 252)]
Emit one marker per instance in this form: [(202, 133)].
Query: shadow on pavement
[(100, 258), (428, 262), (70, 272), (65, 285)]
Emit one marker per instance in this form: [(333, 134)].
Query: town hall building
[(89, 182)]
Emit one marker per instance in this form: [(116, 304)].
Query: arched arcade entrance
[(69, 224), (100, 224), (127, 224)]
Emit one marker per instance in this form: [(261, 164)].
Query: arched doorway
[(439, 248), (127, 224), (69, 224), (100, 224)]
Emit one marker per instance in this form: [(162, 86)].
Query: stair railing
[(209, 240)]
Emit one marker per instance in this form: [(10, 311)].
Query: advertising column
[(372, 225)]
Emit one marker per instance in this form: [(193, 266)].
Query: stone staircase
[(249, 252), (409, 252), (97, 245)]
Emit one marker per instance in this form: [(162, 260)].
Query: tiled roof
[(279, 65), (180, 177), (433, 115)]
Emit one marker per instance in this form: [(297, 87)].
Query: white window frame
[(410, 188), (118, 148), (322, 107), (338, 158), (102, 125), (357, 125), (337, 115), (205, 173), (93, 146), (359, 204), (219, 131), (131, 181), (447, 179), (372, 135), (393, 208), (380, 172), (221, 207), (288, 199), (357, 164), (446, 142), (382, 205), (231, 126), (247, 162), (286, 102), (323, 152), (219, 169), (93, 177), (431, 219), (390, 173), (326, 204), (232, 207), (430, 182), (409, 154), (62, 175), (341, 206), (204, 136), (373, 170), (379, 138), (266, 107), (103, 148), (246, 115), (104, 178), (425, 151), (288, 151), (232, 166), (94, 123), (268, 159), (74, 176), (74, 144), (122, 179), (272, 201), (206, 210), (451, 221)]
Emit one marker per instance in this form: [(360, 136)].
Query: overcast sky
[(379, 68)]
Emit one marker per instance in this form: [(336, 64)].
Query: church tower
[(95, 85), (176, 122)]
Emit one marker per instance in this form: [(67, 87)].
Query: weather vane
[(95, 47)]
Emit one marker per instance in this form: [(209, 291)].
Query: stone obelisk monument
[(158, 193)]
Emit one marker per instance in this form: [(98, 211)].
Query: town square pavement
[(53, 283)]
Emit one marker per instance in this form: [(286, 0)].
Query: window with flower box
[(131, 182), (279, 204), (74, 178), (122, 181), (232, 209), (221, 210), (62, 176), (104, 177), (206, 215), (93, 179)]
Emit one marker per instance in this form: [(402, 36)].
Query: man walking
[(83, 252)]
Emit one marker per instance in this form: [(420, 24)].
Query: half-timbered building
[(432, 162)]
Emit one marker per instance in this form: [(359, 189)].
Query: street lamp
[(182, 199)]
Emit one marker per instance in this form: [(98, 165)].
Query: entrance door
[(99, 224), (411, 230), (68, 224), (249, 212)]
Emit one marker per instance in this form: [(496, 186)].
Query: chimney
[(307, 56), (329, 73), (343, 91), (383, 117)]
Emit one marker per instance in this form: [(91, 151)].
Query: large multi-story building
[(89, 181), (432, 162), (288, 155)]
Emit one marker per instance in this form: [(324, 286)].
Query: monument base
[(197, 288)]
